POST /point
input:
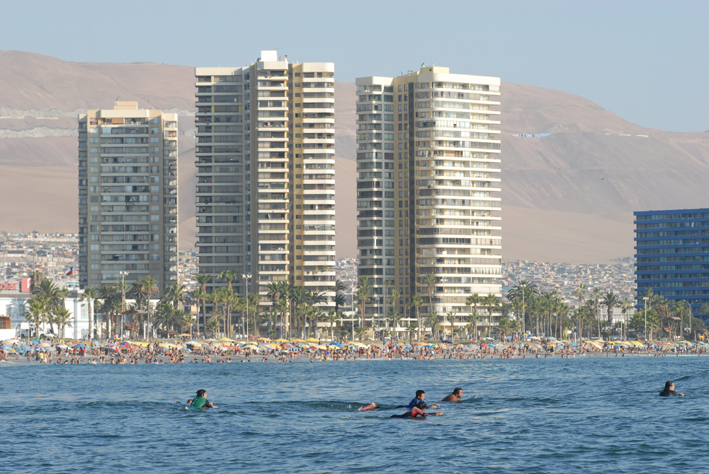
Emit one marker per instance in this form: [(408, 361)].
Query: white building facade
[(428, 190)]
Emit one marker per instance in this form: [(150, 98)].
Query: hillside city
[(55, 254)]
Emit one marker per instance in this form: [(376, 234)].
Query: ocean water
[(528, 415)]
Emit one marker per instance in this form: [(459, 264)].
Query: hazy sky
[(646, 60)]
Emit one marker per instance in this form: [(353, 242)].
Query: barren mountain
[(566, 197)]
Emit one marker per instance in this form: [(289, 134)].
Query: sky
[(645, 60)]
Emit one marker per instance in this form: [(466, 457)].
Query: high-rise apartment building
[(127, 196), (428, 190), (266, 173), (672, 256)]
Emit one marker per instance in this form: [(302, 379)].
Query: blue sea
[(592, 414)]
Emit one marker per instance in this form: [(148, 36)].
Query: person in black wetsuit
[(669, 390), (417, 412)]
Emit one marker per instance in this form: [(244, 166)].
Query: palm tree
[(203, 279), (395, 320), (387, 284), (339, 297), (297, 297), (683, 309), (137, 291), (200, 296), (213, 325), (526, 291), (473, 301), (432, 319), (625, 306), (360, 331), (392, 301), (610, 300), (229, 276), (580, 293), (109, 296), (51, 291), (276, 291), (176, 294), (37, 309), (416, 302), (331, 318), (450, 315), (254, 300), (492, 302), (151, 286), (362, 296), (596, 295), (90, 296), (429, 279), (219, 297), (62, 317)]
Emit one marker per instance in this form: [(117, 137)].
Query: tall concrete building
[(266, 173), (127, 196), (428, 190)]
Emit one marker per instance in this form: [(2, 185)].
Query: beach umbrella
[(335, 344)]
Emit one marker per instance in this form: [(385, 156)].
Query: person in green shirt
[(201, 400)]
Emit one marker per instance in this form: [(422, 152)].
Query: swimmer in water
[(420, 395), (456, 396), (201, 400), (669, 390), (417, 412), (371, 406)]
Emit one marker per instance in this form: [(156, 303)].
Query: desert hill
[(566, 197)]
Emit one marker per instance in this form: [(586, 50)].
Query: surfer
[(371, 406), (420, 395), (201, 400), (669, 390), (417, 412), (457, 395)]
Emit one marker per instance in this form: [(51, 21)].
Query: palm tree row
[(46, 306), (430, 318), (292, 309), (668, 318)]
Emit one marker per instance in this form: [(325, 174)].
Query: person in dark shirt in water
[(669, 390), (417, 412)]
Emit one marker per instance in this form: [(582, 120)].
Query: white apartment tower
[(128, 218), (266, 174), (428, 158)]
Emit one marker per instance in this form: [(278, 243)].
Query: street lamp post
[(645, 298), (246, 291)]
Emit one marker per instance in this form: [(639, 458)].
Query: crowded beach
[(225, 350)]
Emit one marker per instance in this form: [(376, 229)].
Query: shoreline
[(11, 361)]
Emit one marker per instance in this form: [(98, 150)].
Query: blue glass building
[(672, 256)]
